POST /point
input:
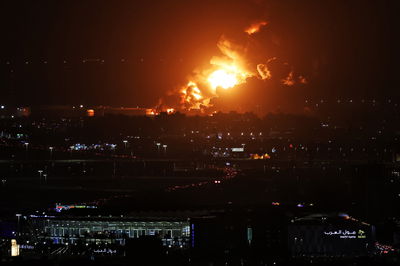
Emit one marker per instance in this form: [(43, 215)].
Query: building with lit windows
[(109, 229)]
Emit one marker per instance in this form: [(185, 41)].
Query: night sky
[(133, 52)]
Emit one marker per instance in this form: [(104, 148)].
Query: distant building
[(235, 234), (57, 111), (128, 111), (109, 229), (81, 111), (322, 235)]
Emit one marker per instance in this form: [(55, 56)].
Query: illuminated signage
[(237, 149), (361, 234), (106, 250), (26, 247), (346, 234)]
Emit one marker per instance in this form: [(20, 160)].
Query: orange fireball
[(223, 79), (228, 69)]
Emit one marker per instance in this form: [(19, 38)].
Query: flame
[(229, 69), (170, 110), (260, 157), (151, 112), (223, 79), (196, 93), (225, 71), (263, 70), (255, 27), (191, 94), (289, 80)]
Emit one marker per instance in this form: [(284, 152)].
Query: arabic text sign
[(346, 233)]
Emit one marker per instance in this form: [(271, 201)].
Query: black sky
[(345, 48)]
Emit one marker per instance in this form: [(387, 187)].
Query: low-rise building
[(173, 231)]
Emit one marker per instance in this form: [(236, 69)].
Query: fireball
[(223, 79), (225, 71)]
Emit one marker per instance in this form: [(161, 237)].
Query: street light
[(125, 143), (158, 147), (26, 149), (40, 174), (18, 226), (165, 148), (51, 152)]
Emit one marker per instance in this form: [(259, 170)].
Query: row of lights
[(349, 101), (87, 60)]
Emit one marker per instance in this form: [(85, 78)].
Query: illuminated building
[(14, 248), (109, 229), (330, 235)]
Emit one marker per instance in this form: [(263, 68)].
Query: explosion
[(226, 71), (223, 79)]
